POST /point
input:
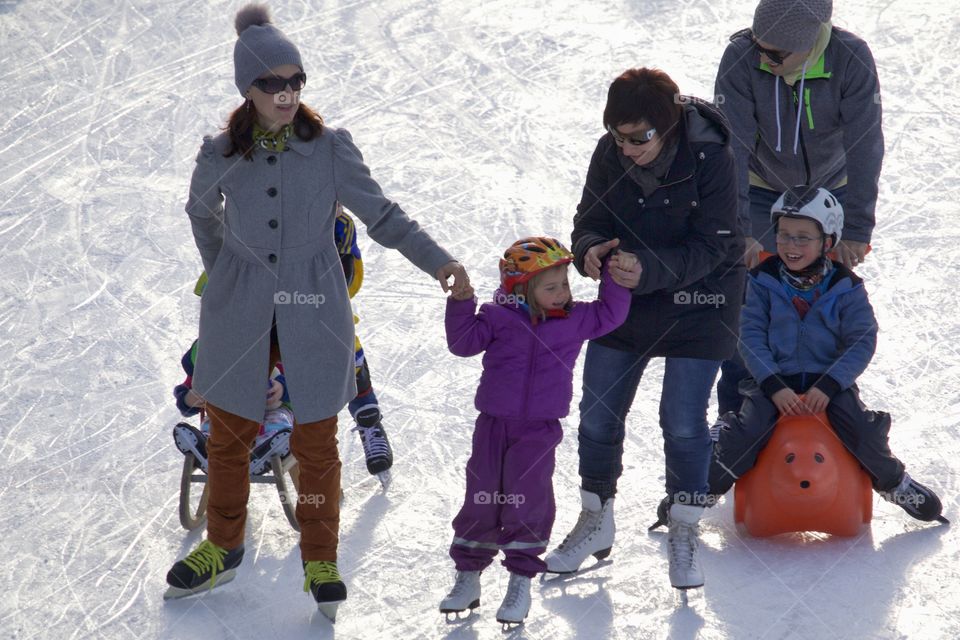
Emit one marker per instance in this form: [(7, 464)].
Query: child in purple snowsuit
[(531, 334)]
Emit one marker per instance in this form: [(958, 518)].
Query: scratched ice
[(479, 118)]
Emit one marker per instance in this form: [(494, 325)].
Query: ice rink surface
[(479, 118)]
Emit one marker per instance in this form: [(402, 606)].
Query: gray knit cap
[(790, 25), (260, 47)]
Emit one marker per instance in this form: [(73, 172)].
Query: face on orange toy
[(804, 480), (802, 471)]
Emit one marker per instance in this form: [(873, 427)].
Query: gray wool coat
[(265, 234)]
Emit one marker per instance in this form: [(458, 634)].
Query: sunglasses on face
[(276, 84), (775, 57), (635, 140)]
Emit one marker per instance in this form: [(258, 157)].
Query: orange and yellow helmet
[(529, 256)]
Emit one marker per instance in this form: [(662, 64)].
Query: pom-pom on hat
[(790, 25), (260, 47)]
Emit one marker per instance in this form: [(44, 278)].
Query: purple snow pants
[(509, 502)]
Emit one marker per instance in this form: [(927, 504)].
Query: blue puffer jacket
[(829, 348)]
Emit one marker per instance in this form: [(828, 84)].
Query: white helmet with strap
[(819, 205)]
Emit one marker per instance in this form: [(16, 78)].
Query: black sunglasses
[(776, 57), (276, 84)]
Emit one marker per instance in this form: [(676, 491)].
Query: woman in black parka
[(661, 186)]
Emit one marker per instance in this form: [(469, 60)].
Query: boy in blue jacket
[(808, 328)]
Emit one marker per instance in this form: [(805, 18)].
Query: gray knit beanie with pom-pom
[(790, 25), (260, 47)]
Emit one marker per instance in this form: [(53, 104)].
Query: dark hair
[(648, 95), (307, 124)]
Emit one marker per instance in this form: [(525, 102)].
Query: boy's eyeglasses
[(275, 84), (799, 241), (776, 57), (633, 139)]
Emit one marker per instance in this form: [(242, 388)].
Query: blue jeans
[(733, 371), (610, 379)]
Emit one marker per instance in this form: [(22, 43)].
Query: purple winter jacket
[(528, 368)]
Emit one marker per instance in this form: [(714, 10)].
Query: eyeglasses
[(776, 57), (799, 241), (621, 140), (276, 84)]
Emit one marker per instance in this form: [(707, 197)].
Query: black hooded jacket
[(685, 234)]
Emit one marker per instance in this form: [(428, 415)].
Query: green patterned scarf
[(272, 141)]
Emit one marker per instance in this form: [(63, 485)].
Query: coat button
[(666, 201), (640, 201), (272, 192), (273, 224), (272, 160), (693, 203), (272, 257)]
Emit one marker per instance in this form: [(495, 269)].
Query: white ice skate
[(464, 595), (683, 546), (516, 603), (592, 535)]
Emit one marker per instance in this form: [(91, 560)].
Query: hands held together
[(461, 289), (625, 267), (790, 404)]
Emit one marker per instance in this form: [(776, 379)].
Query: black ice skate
[(206, 567), (190, 440), (662, 510), (322, 579), (376, 446), (276, 445), (916, 499)]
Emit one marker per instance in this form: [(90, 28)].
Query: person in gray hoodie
[(803, 101)]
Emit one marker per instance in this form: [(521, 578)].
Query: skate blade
[(601, 561), (447, 613), (470, 607), (329, 609), (683, 594), (175, 593), (557, 577), (942, 520), (509, 625), (385, 479), (659, 523)]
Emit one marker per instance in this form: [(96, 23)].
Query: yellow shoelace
[(320, 572), (207, 556)]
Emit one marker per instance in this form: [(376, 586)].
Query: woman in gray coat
[(262, 207)]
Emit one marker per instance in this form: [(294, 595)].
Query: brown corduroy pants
[(314, 445)]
